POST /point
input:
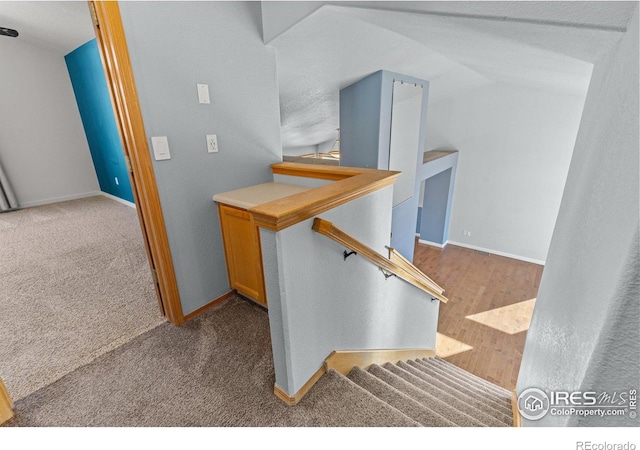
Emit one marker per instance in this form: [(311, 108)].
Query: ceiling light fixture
[(8, 32)]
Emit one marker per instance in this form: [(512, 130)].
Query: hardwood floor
[(482, 328)]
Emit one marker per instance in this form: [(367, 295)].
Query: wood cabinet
[(241, 235), (241, 239)]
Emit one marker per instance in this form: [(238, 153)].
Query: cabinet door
[(242, 251)]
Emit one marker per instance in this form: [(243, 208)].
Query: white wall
[(43, 147), (174, 46), (277, 17), (515, 145), (319, 302), (585, 330)]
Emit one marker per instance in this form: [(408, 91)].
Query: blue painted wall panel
[(435, 206), (360, 111), (94, 103), (431, 169)]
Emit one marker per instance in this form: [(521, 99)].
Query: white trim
[(495, 252), (66, 198), (433, 244), (118, 199)]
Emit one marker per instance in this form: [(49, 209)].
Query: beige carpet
[(74, 284), (215, 370)]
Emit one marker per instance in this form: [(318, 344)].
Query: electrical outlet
[(212, 143)]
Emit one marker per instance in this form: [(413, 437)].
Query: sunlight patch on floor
[(447, 346), (511, 319)]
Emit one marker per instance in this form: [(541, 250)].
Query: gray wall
[(43, 147), (319, 302), (174, 46), (584, 330), (515, 147)]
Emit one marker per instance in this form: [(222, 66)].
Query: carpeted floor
[(74, 284), (216, 370)]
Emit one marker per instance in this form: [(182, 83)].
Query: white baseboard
[(495, 252), (66, 198), (118, 199), (433, 244)]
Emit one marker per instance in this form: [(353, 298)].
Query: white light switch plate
[(203, 93), (160, 148)]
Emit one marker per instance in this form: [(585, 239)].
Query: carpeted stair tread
[(481, 404), (357, 406), (467, 379), (451, 368), (473, 391), (447, 411), (495, 392), (397, 399), (461, 404)]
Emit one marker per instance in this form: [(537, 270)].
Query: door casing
[(124, 98)]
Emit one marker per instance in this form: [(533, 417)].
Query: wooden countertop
[(251, 196)]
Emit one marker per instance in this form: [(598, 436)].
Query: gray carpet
[(74, 284), (217, 370)]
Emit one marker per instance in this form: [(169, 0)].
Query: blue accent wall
[(94, 103)]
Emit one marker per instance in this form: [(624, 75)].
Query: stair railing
[(395, 264)]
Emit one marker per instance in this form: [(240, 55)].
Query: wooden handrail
[(403, 262), (413, 276), (348, 184)]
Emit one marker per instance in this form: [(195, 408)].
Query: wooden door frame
[(124, 98)]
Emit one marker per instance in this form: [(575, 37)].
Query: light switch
[(203, 93), (160, 148)]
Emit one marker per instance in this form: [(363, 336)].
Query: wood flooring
[(482, 328)]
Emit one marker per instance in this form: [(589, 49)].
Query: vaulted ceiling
[(322, 47), (457, 46)]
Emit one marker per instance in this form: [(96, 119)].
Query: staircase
[(434, 393)]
